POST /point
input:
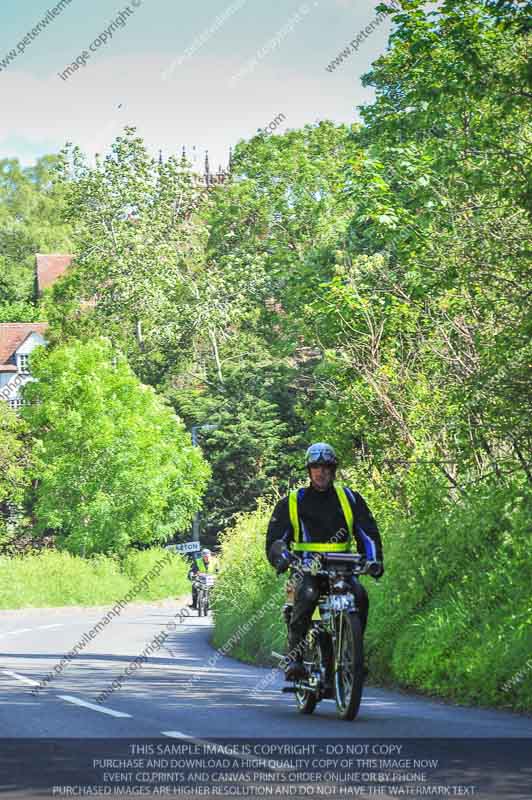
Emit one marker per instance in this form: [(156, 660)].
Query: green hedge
[(57, 578), (452, 615), (248, 591)]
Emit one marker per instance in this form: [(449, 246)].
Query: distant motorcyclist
[(205, 564), (320, 518)]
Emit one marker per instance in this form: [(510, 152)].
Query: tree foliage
[(138, 245), (16, 468), (115, 465), (31, 207), (367, 284)]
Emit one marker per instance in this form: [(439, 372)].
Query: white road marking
[(177, 735), (20, 630), (44, 627), (373, 703), (29, 681), (93, 706)]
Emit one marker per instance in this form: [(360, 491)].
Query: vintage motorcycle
[(203, 583), (334, 649)]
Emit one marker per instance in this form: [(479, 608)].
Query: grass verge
[(57, 578)]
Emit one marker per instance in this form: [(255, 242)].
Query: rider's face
[(321, 476)]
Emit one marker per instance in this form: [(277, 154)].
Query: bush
[(171, 581), (453, 614), (248, 595), (57, 578)]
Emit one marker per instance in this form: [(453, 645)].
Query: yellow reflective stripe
[(294, 516), (346, 508), (211, 566), (322, 547)]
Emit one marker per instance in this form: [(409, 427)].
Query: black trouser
[(306, 598)]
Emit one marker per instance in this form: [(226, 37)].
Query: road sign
[(185, 547)]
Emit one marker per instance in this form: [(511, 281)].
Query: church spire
[(207, 168)]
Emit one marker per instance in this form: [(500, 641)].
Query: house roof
[(13, 334), (50, 267)]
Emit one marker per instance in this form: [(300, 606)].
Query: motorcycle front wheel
[(312, 657), (349, 665)]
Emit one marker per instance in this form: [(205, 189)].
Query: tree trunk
[(212, 337)]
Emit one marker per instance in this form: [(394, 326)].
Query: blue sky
[(130, 78)]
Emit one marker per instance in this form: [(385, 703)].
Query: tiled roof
[(12, 334), (50, 267)]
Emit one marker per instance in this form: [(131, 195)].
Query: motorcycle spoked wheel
[(306, 700), (349, 665)]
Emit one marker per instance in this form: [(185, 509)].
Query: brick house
[(19, 339), (48, 268)]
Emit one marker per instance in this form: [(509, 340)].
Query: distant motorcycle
[(203, 584), (334, 647)]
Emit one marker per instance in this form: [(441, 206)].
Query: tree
[(256, 439), (16, 472), (115, 465), (31, 206), (137, 275), (425, 324)]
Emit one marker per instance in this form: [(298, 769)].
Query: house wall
[(6, 377), (10, 390), (11, 383)]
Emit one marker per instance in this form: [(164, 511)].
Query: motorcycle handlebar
[(360, 564)]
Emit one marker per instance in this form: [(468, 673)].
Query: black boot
[(294, 669)]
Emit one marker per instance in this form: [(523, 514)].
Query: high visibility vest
[(211, 566), (321, 547)]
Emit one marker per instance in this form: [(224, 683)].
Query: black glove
[(283, 562), (376, 570), (279, 556)]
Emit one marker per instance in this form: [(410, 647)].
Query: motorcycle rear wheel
[(349, 665)]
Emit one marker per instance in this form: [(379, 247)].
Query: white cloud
[(194, 106)]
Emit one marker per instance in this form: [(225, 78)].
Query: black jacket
[(321, 515)]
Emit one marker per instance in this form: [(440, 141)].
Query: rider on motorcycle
[(206, 564), (317, 519)]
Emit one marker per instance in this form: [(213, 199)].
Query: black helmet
[(321, 453)]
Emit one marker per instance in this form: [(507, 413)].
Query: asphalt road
[(186, 692)]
